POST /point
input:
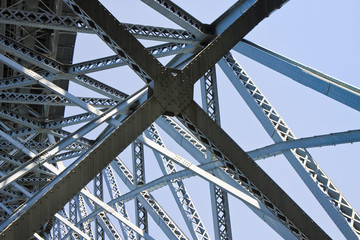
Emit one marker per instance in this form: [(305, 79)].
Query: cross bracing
[(63, 127)]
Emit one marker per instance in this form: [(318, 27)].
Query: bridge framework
[(45, 170)]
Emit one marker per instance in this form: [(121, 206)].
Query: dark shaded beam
[(118, 38), (230, 16), (65, 186), (223, 43), (224, 147), (178, 15)]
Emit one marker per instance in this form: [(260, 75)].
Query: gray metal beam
[(52, 197), (113, 212), (72, 226), (177, 15), (74, 24), (178, 189), (52, 100), (114, 192), (51, 86), (258, 182), (309, 77), (42, 20), (209, 94), (101, 221), (158, 51), (151, 186), (331, 139), (163, 181), (98, 192), (37, 160), (83, 215), (116, 36), (331, 199), (230, 16), (153, 208), (161, 34), (19, 118), (19, 50), (196, 149), (138, 161), (15, 82), (219, 197), (222, 43), (138, 50), (207, 176)]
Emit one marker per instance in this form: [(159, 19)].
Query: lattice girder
[(52, 200)]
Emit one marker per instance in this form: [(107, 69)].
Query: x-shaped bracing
[(172, 95)]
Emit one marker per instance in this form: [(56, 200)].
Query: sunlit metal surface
[(61, 170)]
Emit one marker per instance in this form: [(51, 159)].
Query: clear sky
[(320, 34)]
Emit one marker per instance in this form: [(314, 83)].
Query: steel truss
[(61, 183)]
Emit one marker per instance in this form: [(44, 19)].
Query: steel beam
[(178, 189), (42, 20), (14, 48), (53, 149), (39, 159), (51, 86), (258, 208), (19, 118), (163, 181), (331, 199), (113, 212), (177, 15), (230, 16), (219, 198), (161, 34), (222, 43), (15, 82), (71, 225), (108, 227), (196, 149), (138, 161), (153, 208), (52, 100), (179, 82), (102, 223), (83, 215), (98, 192), (252, 176), (309, 77), (158, 51), (116, 36), (74, 24), (114, 192), (209, 95), (87, 167), (207, 176), (331, 139)]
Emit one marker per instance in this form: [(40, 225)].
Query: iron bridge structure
[(62, 127)]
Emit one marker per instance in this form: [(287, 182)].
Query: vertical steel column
[(139, 179), (177, 187), (209, 94), (73, 211), (219, 198), (56, 229), (98, 192), (83, 214), (120, 206)]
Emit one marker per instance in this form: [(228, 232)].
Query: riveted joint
[(173, 93)]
